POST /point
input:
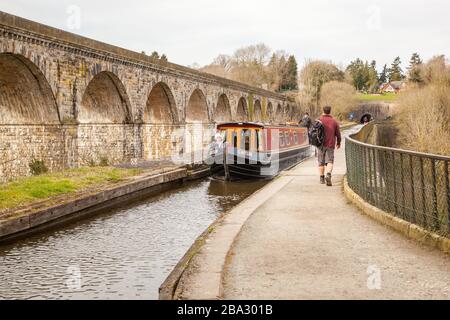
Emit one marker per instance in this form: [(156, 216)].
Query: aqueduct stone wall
[(376, 110), (71, 101)]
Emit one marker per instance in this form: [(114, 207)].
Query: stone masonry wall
[(114, 143), (22, 144)]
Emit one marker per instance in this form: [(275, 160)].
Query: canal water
[(125, 253)]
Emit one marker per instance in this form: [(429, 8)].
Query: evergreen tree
[(360, 73), (154, 55), (396, 72), (355, 69), (415, 71), (415, 75), (164, 58), (283, 62), (364, 75), (373, 80), (384, 74), (290, 81), (273, 61), (415, 60), (274, 73), (283, 73), (373, 66)]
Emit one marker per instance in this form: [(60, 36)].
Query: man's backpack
[(317, 134)]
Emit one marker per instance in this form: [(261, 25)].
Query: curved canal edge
[(37, 218), (199, 273)]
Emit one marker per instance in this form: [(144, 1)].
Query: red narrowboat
[(255, 151)]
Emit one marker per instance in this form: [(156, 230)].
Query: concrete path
[(307, 242)]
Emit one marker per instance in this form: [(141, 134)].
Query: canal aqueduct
[(71, 101)]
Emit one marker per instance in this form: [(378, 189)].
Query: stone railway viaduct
[(71, 101)]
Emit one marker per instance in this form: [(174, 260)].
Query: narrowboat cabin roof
[(240, 125), (252, 125)]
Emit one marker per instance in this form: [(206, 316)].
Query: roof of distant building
[(396, 84)]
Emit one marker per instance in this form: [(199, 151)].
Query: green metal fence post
[(369, 166), (424, 204), (402, 183), (447, 193), (363, 169), (413, 190), (394, 184), (434, 188), (386, 183), (375, 177)]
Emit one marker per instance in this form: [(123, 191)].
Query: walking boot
[(322, 179), (329, 183)]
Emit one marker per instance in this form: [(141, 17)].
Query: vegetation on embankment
[(30, 190), (424, 111)]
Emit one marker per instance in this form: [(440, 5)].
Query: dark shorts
[(325, 155)]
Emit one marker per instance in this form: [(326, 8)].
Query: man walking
[(326, 151)]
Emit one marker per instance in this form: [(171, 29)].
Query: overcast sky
[(198, 30)]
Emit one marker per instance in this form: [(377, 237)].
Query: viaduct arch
[(160, 106), (105, 100), (270, 112), (26, 96), (257, 113), (222, 113), (242, 110)]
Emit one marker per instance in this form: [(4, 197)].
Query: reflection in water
[(121, 254)]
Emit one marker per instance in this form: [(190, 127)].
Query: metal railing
[(410, 185)]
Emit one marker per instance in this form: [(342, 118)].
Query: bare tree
[(341, 96), (276, 69), (436, 71), (248, 64), (255, 65), (313, 76)]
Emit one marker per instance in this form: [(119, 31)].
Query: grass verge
[(29, 190), (378, 97)]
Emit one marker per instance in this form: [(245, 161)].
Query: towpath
[(308, 242)]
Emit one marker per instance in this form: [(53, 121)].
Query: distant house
[(393, 87), (387, 88)]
